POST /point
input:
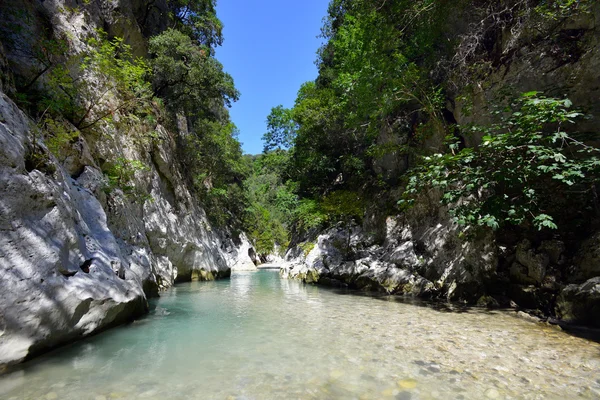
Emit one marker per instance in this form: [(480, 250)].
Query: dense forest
[(377, 128)]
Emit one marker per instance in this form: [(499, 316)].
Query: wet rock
[(434, 368), (436, 264), (580, 303), (404, 395), (527, 317), (492, 394), (531, 297), (407, 383)]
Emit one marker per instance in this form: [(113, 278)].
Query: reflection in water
[(259, 337)]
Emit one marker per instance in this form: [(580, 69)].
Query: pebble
[(434, 368), (336, 374), (492, 394), (407, 383), (149, 393), (404, 396)]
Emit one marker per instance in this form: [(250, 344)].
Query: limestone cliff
[(77, 253)]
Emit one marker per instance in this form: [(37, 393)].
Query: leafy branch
[(515, 176)]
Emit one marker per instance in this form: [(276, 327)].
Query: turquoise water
[(259, 337)]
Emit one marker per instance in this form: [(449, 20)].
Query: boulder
[(580, 303), (587, 259), (554, 249)]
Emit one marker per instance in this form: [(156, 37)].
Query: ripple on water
[(259, 337)]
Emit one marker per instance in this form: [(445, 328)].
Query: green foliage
[(374, 67), (559, 9), (266, 230), (212, 157), (307, 247), (526, 171), (94, 85), (281, 129), (270, 202), (188, 78), (121, 174), (318, 151), (344, 205), (309, 215), (198, 20), (59, 136), (196, 89)]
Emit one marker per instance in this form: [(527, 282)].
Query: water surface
[(259, 337)]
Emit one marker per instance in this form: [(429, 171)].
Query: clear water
[(259, 337)]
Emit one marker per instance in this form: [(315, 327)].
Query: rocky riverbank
[(431, 261), (420, 251)]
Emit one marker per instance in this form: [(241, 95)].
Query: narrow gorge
[(429, 204)]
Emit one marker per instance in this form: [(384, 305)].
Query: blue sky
[(269, 49)]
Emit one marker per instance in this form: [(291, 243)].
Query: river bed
[(257, 336)]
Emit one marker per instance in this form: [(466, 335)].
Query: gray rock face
[(75, 260), (61, 269), (78, 254), (557, 58), (239, 256), (421, 255)]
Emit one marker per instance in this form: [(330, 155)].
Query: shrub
[(527, 170)]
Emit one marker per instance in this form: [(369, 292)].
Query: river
[(257, 336)]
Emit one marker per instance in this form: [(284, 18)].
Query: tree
[(188, 78), (198, 20), (97, 83), (281, 129)]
